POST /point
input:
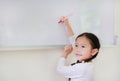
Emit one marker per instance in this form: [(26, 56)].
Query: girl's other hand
[(67, 50), (64, 20)]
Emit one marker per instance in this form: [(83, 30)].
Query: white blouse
[(77, 72)]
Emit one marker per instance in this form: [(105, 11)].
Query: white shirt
[(72, 40), (77, 72)]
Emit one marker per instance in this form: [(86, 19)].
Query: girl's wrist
[(64, 55), (67, 24)]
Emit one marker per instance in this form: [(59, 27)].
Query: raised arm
[(67, 24)]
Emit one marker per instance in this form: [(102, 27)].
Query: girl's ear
[(94, 51)]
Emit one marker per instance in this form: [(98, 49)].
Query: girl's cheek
[(74, 50)]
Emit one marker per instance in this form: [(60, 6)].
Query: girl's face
[(83, 49)]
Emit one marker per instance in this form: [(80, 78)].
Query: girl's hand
[(64, 20), (67, 50)]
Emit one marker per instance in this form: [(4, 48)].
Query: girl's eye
[(76, 45), (83, 46)]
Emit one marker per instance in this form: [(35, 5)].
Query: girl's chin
[(78, 58)]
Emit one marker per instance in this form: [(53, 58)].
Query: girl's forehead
[(83, 39)]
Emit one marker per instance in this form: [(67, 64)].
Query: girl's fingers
[(62, 19), (68, 48)]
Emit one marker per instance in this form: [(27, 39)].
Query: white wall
[(40, 65), (29, 65), (108, 64), (117, 20)]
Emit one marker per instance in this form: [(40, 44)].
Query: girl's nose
[(77, 49)]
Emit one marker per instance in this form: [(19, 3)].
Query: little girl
[(85, 48)]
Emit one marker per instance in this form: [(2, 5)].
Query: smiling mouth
[(78, 54)]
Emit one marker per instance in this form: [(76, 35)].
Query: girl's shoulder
[(85, 64)]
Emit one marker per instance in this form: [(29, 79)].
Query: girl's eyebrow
[(80, 44), (75, 43)]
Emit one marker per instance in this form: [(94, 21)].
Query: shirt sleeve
[(72, 40), (69, 71)]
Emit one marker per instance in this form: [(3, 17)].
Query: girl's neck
[(83, 61)]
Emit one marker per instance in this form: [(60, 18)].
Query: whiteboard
[(35, 22)]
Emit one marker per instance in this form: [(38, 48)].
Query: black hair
[(94, 41)]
